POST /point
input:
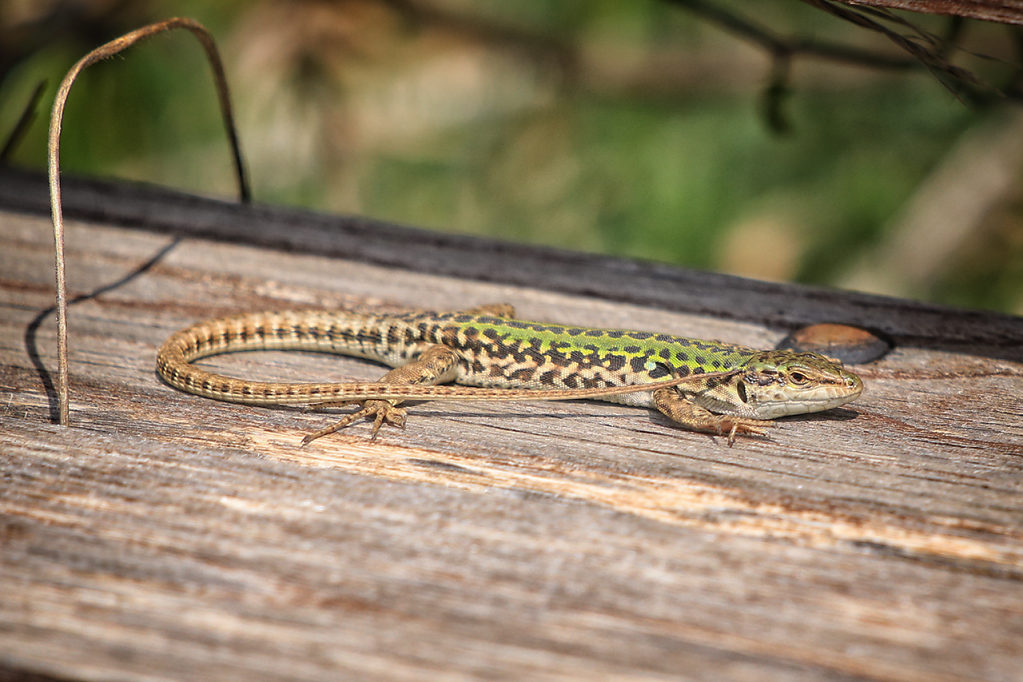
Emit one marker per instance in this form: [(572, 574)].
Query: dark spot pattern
[(524, 375), (615, 363), (498, 351), (659, 371)]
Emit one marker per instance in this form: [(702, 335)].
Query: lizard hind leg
[(382, 412), (438, 365)]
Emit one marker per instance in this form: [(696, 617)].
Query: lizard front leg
[(438, 365), (690, 415)]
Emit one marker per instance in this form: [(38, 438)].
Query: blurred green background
[(630, 128)]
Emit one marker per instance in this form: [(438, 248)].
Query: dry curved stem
[(53, 165)]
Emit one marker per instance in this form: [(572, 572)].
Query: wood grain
[(169, 537)]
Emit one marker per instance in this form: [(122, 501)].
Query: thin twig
[(783, 50), (778, 46), (927, 49), (28, 115), (53, 148), (932, 60), (997, 11)]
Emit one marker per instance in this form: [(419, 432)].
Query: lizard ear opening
[(660, 371), (740, 387)]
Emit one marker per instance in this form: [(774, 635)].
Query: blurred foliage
[(632, 129)]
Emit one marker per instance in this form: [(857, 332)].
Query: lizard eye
[(798, 378)]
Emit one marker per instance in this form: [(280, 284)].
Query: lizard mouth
[(782, 403)]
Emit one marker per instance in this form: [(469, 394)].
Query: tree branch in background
[(64, 22), (28, 115), (1000, 11), (930, 58), (787, 47), (926, 49)]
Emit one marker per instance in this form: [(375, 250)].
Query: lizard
[(704, 386)]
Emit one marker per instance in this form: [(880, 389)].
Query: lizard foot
[(381, 411), (739, 426)]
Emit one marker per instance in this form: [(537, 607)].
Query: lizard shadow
[(835, 414), (32, 330), (838, 414)]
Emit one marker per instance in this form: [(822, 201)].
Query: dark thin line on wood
[(32, 330)]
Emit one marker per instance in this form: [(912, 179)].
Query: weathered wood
[(166, 536), (776, 306)]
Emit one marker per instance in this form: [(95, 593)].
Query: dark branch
[(778, 46)]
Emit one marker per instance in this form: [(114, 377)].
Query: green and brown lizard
[(702, 385)]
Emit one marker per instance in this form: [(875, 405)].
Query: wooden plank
[(775, 306), (166, 536)]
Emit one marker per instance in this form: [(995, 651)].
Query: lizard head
[(778, 383)]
